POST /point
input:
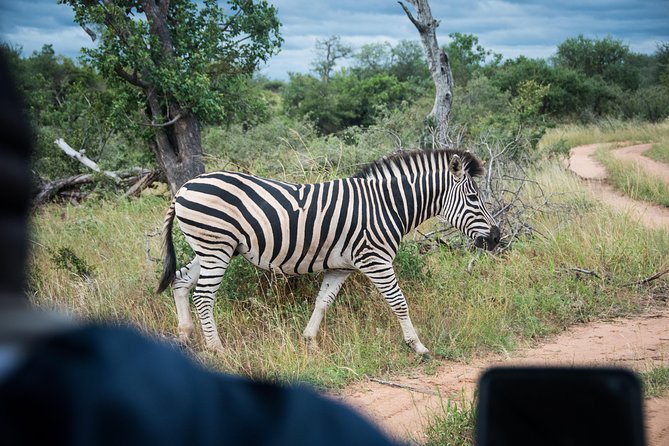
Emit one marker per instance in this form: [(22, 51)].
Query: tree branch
[(164, 124), (65, 147), (648, 279), (131, 78), (419, 26)]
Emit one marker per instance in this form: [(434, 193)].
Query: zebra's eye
[(472, 196)]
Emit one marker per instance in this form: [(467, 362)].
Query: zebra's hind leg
[(184, 280), (212, 269), (386, 283), (332, 282)]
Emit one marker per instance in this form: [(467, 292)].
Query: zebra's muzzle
[(490, 241)]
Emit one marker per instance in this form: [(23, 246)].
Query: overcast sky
[(533, 28)]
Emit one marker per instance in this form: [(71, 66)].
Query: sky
[(532, 28)]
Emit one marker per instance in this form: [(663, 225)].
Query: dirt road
[(583, 163), (640, 343)]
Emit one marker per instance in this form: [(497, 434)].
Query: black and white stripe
[(338, 226)]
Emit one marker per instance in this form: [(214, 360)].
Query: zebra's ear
[(456, 167)]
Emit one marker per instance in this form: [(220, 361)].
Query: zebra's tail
[(169, 257)]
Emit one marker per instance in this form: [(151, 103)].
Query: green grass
[(452, 425), (562, 138), (659, 152), (631, 179), (655, 382), (503, 304)]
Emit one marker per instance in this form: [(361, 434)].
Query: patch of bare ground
[(402, 405)]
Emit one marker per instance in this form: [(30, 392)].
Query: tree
[(327, 52), (467, 56), (607, 58), (662, 58), (180, 64), (439, 68)]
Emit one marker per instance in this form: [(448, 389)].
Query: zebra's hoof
[(425, 357), (312, 345)]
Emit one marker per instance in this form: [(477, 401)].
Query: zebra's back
[(284, 227)]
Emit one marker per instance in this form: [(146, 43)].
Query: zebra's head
[(464, 208)]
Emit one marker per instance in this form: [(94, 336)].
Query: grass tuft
[(632, 180), (453, 425), (655, 382)]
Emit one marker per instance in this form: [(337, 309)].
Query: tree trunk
[(178, 146), (440, 69)]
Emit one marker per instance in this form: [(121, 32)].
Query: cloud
[(532, 28)]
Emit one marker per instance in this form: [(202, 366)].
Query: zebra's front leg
[(332, 282), (386, 282), (183, 282)]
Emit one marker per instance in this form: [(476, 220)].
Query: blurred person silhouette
[(63, 382)]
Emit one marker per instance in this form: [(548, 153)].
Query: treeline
[(586, 80)]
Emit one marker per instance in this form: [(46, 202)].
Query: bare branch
[(648, 279), (419, 26), (89, 31), (404, 386), (164, 124), (83, 159)]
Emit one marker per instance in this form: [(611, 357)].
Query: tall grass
[(561, 139), (655, 382), (504, 303), (659, 151), (452, 425), (631, 179)]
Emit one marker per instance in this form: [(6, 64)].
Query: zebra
[(340, 226)]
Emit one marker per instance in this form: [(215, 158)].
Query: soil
[(402, 405)]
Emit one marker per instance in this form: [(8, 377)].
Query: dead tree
[(437, 119)]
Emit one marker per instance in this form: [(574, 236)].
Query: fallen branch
[(83, 159), (144, 181), (404, 386), (52, 188), (67, 187), (648, 279)]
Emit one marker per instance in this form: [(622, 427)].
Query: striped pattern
[(338, 226)]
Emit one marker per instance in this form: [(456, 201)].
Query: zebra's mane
[(381, 167)]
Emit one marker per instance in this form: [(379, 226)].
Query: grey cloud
[(511, 27)]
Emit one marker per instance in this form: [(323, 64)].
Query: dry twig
[(404, 386)]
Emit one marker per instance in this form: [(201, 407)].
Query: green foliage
[(453, 425), (467, 57), (605, 58), (345, 100), (631, 179), (70, 101), (202, 66), (659, 152), (382, 77), (655, 382), (410, 262), (66, 259), (648, 104)]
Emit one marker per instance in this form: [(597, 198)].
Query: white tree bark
[(65, 147), (439, 68)]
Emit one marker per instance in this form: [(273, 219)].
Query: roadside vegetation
[(632, 180), (96, 255), (655, 382)]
